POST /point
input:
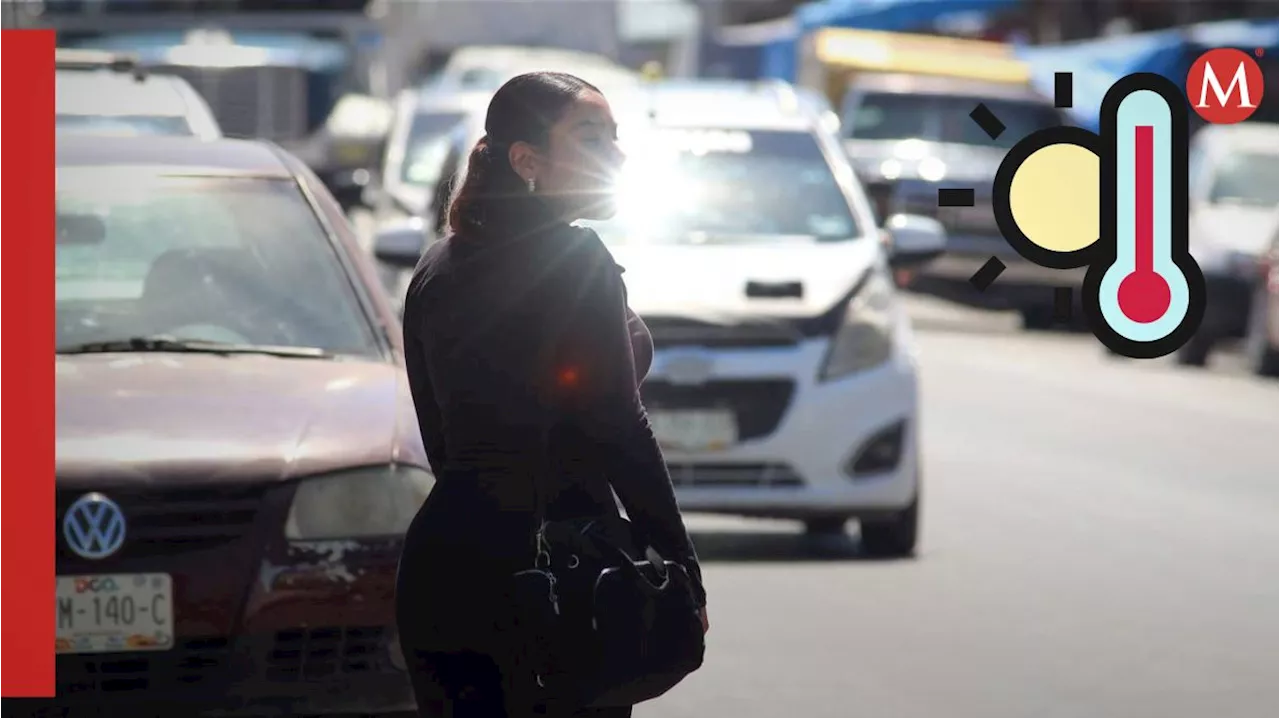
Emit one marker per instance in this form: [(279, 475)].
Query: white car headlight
[(865, 336), (361, 503)]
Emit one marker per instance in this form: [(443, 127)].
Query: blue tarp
[(1096, 64), (775, 43)]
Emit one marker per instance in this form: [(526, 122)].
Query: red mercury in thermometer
[(1144, 295)]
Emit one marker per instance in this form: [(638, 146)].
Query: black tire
[(1195, 352), (893, 537), (1263, 358), (1037, 317), (826, 526)]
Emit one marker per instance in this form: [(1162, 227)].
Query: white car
[(103, 94), (1234, 183), (784, 380)]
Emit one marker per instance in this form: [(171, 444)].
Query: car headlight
[(362, 503), (865, 336)]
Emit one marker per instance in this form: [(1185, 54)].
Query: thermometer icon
[(1117, 203), (1143, 293)]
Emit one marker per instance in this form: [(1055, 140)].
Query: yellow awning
[(920, 54)]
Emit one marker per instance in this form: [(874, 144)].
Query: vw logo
[(94, 526)]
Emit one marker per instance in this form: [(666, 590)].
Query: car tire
[(1195, 352), (826, 526), (1264, 360), (894, 537), (1037, 317)]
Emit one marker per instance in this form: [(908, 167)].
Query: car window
[(713, 185), (889, 116), (124, 125), (427, 146), (219, 259), (944, 118), (1248, 178)]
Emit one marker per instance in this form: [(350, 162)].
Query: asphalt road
[(1099, 540)]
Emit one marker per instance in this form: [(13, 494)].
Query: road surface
[(1099, 541)]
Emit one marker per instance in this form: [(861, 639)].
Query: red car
[(237, 452)]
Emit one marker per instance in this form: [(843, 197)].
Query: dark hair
[(522, 110)]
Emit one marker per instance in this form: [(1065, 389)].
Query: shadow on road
[(765, 546)]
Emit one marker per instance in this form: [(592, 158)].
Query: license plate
[(115, 612), (351, 154), (694, 430)]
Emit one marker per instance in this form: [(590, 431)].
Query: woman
[(523, 361)]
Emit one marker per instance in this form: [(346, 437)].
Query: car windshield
[(712, 185), (124, 125), (1249, 178), (427, 147), (214, 259), (944, 118)]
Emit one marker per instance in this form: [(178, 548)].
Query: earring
[(533, 185)]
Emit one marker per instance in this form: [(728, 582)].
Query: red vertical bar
[(1144, 191), (27, 517)]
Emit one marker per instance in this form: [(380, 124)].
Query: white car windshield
[(944, 118), (1248, 178), (427, 146), (124, 125), (217, 259), (713, 185)]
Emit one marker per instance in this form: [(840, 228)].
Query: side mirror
[(914, 239), (401, 244)]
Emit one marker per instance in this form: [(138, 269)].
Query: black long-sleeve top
[(524, 362)]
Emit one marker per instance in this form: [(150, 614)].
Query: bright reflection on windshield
[(717, 186)]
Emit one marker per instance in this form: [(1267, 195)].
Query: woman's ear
[(525, 160)]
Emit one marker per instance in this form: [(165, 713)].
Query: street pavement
[(1099, 541)]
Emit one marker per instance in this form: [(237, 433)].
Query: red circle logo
[(1224, 86)]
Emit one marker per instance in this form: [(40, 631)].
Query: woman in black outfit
[(524, 362)]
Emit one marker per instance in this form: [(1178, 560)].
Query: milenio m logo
[(1225, 86)]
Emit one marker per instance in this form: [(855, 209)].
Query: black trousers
[(472, 685)]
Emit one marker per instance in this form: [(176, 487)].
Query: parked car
[(1264, 315), (237, 451), (784, 381), (1233, 195), (102, 93)]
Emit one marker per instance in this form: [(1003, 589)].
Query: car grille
[(734, 475), (320, 653), (758, 405), (679, 332), (198, 666), (165, 522), (263, 102)]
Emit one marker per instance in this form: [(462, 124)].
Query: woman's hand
[(706, 624)]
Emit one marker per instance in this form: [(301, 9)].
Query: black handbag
[(600, 624)]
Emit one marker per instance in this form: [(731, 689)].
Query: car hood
[(962, 162), (139, 418), (1229, 228), (710, 280)]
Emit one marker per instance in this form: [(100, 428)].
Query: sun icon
[(1048, 208)]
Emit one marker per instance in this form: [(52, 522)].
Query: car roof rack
[(76, 59)]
